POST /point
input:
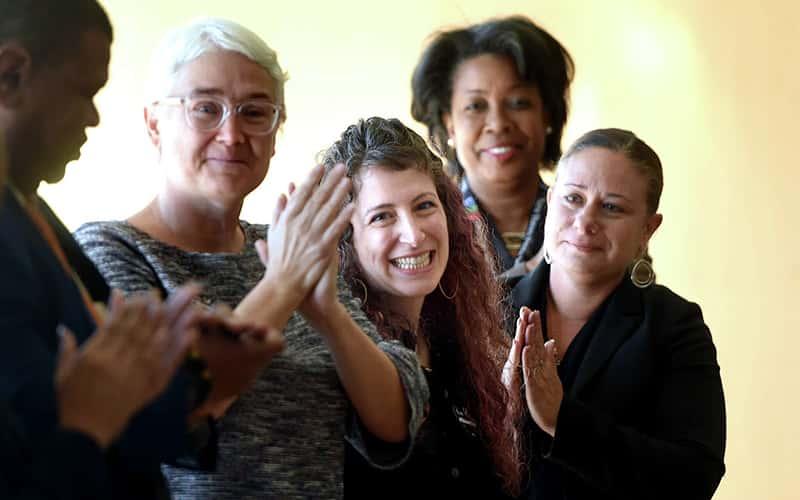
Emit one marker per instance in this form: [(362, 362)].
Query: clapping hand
[(235, 352), (543, 389), (305, 230), (125, 364)]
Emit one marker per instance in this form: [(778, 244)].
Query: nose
[(410, 232), (497, 119), (586, 221), (93, 117), (230, 131)]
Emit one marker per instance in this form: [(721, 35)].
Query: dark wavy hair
[(468, 327), (538, 57)]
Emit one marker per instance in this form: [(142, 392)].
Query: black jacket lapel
[(621, 318)]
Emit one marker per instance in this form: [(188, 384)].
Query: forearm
[(368, 375), (270, 303)]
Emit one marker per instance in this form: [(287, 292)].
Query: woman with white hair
[(217, 102)]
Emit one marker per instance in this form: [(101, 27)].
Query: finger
[(336, 229), (529, 363), (301, 196), (280, 206), (515, 353), (292, 188), (332, 207), (550, 356), (67, 351), (262, 249), (116, 299), (180, 301), (332, 183)]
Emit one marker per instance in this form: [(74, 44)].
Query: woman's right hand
[(304, 233), (125, 364), (511, 376)]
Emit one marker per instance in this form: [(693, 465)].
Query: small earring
[(364, 287), (642, 273), (547, 257), (448, 297), (548, 130), (450, 142)]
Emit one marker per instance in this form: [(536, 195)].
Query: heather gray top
[(283, 438)]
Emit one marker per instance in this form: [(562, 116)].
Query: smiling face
[(400, 234), (497, 122), (221, 166), (597, 220)]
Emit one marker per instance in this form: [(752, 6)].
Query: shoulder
[(253, 232), (93, 232), (659, 299)]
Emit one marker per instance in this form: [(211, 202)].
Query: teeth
[(500, 150), (410, 263)]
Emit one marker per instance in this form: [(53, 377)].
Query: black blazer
[(645, 417), (36, 296)]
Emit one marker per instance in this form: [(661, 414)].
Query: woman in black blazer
[(620, 375)]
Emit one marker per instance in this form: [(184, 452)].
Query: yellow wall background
[(713, 86)]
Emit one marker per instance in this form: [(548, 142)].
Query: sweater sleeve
[(378, 453)]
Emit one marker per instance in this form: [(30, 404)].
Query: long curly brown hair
[(468, 325)]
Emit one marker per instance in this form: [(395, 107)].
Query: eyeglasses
[(207, 113)]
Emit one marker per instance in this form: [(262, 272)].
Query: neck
[(22, 184), (508, 204), (410, 308), (191, 223), (576, 298)]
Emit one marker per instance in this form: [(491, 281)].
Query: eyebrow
[(610, 195), (388, 205), (521, 85), (218, 92)]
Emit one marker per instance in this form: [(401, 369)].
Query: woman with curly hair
[(422, 271)]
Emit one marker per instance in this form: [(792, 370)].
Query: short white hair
[(185, 44)]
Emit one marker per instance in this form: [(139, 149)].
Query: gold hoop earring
[(448, 297), (363, 287), (642, 273)]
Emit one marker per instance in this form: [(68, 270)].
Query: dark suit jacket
[(645, 417), (36, 295)]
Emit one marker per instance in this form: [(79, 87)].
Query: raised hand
[(125, 365), (543, 389), (305, 230)]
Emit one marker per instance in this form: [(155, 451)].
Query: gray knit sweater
[(283, 438)]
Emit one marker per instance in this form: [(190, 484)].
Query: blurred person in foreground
[(80, 408)]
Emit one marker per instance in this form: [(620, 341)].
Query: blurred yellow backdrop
[(713, 86)]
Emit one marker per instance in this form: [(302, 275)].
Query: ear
[(151, 122), (447, 119), (549, 195), (653, 223), (15, 73)]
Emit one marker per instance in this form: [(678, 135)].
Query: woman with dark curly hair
[(421, 269), (494, 98)]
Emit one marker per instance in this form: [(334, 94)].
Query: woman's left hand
[(543, 389)]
